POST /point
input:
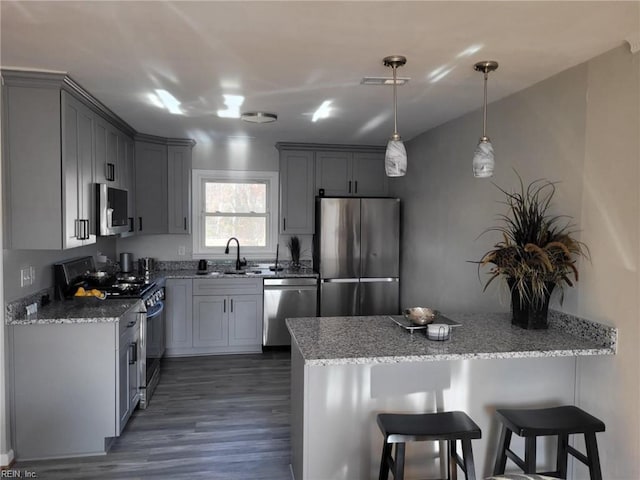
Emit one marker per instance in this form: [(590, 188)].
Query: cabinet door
[(100, 152), (178, 306), (130, 186), (211, 321), (179, 179), (369, 177), (296, 192), (245, 320), (123, 382), (333, 173), (134, 365), (77, 156), (151, 188)]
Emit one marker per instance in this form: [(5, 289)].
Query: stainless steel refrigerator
[(356, 252)]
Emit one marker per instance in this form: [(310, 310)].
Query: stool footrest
[(579, 455), (515, 459)]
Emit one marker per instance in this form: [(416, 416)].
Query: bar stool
[(450, 426), (559, 421)]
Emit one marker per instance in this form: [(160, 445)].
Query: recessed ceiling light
[(259, 117), (384, 80)]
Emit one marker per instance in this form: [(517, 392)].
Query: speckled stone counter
[(377, 339), (84, 310), (252, 273), (346, 370)]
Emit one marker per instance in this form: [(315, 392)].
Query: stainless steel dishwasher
[(286, 298)]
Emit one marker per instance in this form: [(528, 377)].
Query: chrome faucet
[(226, 250)]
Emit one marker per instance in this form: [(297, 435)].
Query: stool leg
[(501, 457), (453, 466), (384, 462), (530, 455), (398, 474), (592, 454), (562, 455), (467, 458)]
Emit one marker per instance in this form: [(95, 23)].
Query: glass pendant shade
[(483, 162), (395, 159), (483, 158)]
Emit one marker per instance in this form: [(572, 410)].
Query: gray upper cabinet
[(179, 193), (351, 173), (48, 162), (163, 184), (58, 142), (296, 191), (151, 187)]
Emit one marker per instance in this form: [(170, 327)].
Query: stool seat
[(549, 421), (399, 428), (558, 421)]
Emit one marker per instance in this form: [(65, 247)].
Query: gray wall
[(42, 261), (580, 128)]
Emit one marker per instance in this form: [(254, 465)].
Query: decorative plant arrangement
[(538, 252), (294, 250)]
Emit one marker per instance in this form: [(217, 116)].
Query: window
[(235, 204)]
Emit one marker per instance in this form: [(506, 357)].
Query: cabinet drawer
[(227, 286)]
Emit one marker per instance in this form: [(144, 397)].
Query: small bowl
[(421, 315)]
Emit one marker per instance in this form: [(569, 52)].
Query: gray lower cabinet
[(178, 295), (73, 386), (225, 316)]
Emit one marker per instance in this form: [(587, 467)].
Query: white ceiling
[(289, 57)]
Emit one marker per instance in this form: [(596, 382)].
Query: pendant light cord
[(395, 104), (484, 115)]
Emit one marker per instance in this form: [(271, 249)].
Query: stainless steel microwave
[(112, 210)]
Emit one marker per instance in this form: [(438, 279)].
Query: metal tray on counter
[(405, 323)]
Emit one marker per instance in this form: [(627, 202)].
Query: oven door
[(154, 344)]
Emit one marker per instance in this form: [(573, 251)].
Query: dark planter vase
[(530, 315)]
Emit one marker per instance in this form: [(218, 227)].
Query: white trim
[(6, 458), (272, 179)]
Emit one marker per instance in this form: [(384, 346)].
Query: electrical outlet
[(182, 250), (32, 309), (25, 277)]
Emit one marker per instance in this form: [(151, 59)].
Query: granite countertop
[(377, 339), (78, 310), (92, 310), (251, 273)]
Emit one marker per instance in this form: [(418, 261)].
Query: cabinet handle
[(111, 172), (185, 223), (284, 224), (140, 223), (131, 224), (134, 353), (356, 186), (88, 233), (224, 306), (349, 186), (232, 305), (76, 230)]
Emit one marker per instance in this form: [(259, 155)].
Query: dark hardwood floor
[(220, 417)]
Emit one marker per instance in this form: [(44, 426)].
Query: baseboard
[(6, 459)]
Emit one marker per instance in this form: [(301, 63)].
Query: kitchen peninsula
[(345, 370)]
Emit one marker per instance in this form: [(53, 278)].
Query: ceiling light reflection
[(322, 111), (467, 52), (169, 102), (233, 103), (440, 74)]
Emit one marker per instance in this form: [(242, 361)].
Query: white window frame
[(199, 177)]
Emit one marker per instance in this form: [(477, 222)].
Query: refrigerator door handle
[(339, 280), (371, 280)]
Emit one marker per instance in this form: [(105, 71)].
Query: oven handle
[(155, 310)]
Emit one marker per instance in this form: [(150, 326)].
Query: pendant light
[(483, 161), (395, 158)]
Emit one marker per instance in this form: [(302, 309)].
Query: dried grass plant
[(538, 250)]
